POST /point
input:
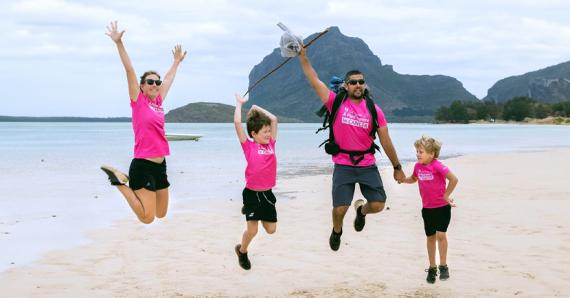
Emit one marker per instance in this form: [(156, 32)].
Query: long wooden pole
[(283, 63)]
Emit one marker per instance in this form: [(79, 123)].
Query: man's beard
[(360, 96)]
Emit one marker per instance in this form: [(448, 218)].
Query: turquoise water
[(52, 190)]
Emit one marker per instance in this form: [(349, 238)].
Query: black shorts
[(436, 219), (345, 179), (259, 205), (147, 174)]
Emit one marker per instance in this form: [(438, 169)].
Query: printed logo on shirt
[(353, 119), (425, 175), (265, 151), (155, 107)]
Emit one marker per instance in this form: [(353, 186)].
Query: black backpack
[(331, 147)]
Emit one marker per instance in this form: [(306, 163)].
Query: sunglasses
[(151, 82), (354, 82)]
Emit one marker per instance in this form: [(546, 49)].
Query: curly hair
[(256, 121), (429, 144)]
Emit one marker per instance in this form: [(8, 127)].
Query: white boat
[(182, 137)]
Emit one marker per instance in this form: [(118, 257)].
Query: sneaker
[(115, 176), (443, 272), (359, 220), (334, 240), (432, 273), (242, 258)]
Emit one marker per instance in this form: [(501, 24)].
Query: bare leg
[(161, 202), (338, 214), (270, 227), (372, 207), (248, 235), (431, 250), (141, 201), (442, 247)]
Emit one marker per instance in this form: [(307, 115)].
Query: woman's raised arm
[(178, 56), (117, 36)]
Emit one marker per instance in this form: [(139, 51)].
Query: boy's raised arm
[(237, 119)]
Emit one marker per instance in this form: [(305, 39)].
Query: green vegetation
[(516, 109)]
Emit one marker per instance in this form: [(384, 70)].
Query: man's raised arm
[(311, 75)]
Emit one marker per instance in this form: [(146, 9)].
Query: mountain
[(287, 92), (202, 112), (209, 112), (548, 85)]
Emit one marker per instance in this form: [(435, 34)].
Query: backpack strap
[(329, 117), (360, 154), (372, 110), (323, 112), (341, 96)]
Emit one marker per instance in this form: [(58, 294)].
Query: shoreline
[(191, 251), (550, 120), (26, 252)]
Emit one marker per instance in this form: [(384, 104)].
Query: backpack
[(331, 147)]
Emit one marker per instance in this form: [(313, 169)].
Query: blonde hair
[(429, 144)]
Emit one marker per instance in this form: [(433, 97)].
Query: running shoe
[(334, 240), (443, 272), (359, 220), (115, 176), (432, 273), (242, 258)]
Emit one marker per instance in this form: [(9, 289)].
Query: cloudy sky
[(55, 59)]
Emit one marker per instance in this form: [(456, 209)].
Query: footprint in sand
[(528, 275)]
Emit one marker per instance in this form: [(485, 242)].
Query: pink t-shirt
[(352, 128), (261, 170), (431, 182), (148, 125)]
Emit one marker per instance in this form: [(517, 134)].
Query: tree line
[(517, 109)]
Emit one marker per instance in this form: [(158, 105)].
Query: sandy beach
[(509, 236)]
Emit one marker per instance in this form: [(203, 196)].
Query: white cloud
[(478, 42), (381, 11), (59, 11)]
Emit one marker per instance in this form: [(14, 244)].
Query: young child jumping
[(260, 174), (436, 212)]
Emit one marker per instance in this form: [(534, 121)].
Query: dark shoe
[(334, 240), (359, 220), (115, 176), (242, 258), (443, 272), (432, 273)]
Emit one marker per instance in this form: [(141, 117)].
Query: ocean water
[(52, 191)]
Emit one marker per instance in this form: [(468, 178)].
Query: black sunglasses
[(353, 82), (151, 82)]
